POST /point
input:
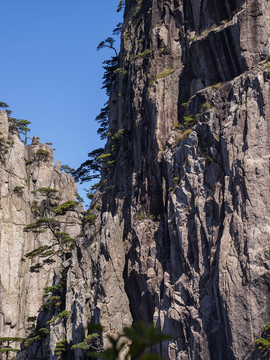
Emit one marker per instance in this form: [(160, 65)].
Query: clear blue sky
[(51, 73)]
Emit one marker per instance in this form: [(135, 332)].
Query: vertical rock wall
[(181, 235), (22, 173)]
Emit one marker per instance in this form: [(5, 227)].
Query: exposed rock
[(190, 208), (180, 231), (22, 173)]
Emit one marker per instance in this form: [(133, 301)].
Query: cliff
[(180, 223), (182, 236), (27, 173)]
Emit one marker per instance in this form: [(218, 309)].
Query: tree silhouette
[(109, 43)]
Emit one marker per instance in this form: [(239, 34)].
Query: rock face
[(180, 223), (182, 236), (24, 170)]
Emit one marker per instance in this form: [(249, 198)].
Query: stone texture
[(22, 173), (194, 212), (182, 230)]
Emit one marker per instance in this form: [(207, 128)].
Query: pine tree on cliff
[(90, 169)]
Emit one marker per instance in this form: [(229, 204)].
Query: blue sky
[(51, 73)]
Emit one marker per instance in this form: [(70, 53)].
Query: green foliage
[(189, 120), (47, 253), (176, 126), (216, 86), (65, 207), (225, 21), (90, 195), (31, 340), (37, 336), (186, 104), (42, 154), (116, 137), (3, 146), (48, 192), (61, 315), (87, 342), (95, 186), (36, 252), (44, 331), (90, 169), (119, 134), (142, 215), (19, 125), (102, 119), (3, 105), (10, 339), (120, 5), (7, 350), (35, 209), (117, 30), (155, 217), (67, 169), (163, 74), (12, 125), (79, 198), (61, 242), (138, 339), (22, 125), (56, 294), (89, 219), (35, 268), (41, 224), (120, 71), (52, 302), (205, 106), (18, 190), (136, 15), (186, 134), (54, 289), (109, 76), (60, 348), (263, 343), (109, 43), (144, 54), (31, 318), (103, 157), (110, 164)]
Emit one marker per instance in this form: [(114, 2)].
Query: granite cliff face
[(181, 235), (25, 170)]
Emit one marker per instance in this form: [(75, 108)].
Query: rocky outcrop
[(182, 236), (179, 227), (24, 170)]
